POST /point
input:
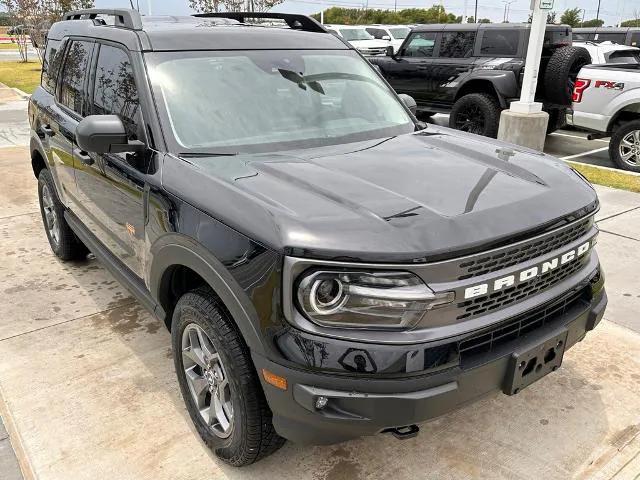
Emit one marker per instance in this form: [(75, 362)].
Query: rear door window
[(457, 44), (618, 38), (500, 43), (76, 66), (420, 44), (635, 39)]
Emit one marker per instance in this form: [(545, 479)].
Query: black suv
[(474, 71), (327, 266)]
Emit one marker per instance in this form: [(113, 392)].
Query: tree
[(592, 23), (204, 6), (634, 22), (37, 16), (571, 17), (354, 16)]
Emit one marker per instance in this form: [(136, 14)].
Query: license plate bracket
[(532, 362)]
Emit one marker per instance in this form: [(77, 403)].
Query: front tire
[(624, 147), (477, 113), (218, 382), (64, 243)]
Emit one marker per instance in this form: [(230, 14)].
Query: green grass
[(25, 76), (609, 178), (8, 46)]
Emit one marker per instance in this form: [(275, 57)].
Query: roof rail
[(124, 17), (295, 21)]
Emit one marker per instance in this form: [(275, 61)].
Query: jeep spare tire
[(561, 73)]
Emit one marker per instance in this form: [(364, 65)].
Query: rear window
[(618, 38), (503, 43), (457, 44), (51, 65)]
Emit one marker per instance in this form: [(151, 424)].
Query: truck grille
[(517, 293), (373, 51), (524, 252), (489, 339)]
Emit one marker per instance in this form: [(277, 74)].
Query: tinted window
[(115, 91), (420, 45), (618, 38), (500, 43), (635, 40), (76, 65), (377, 32), (457, 44), (51, 65)]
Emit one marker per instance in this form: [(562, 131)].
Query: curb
[(608, 169), (16, 440)]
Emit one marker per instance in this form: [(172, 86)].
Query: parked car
[(608, 52), (621, 36), (328, 266), (606, 102), (360, 39), (474, 71), (394, 34), (17, 30)]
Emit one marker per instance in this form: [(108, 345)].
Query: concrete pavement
[(87, 386)]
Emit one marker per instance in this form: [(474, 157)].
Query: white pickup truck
[(606, 102)]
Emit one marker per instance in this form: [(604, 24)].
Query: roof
[(167, 33), (480, 26), (605, 29)]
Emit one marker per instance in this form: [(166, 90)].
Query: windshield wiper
[(207, 154)]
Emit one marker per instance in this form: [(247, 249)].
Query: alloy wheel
[(207, 380), (470, 119), (630, 148), (50, 215)]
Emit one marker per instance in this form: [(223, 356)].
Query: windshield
[(270, 100), (350, 34), (399, 33)]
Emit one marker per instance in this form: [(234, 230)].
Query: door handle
[(84, 157), (47, 130)]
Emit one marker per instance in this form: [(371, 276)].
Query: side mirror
[(409, 101), (389, 52), (386, 37), (105, 134)]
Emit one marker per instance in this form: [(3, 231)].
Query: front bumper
[(360, 405)]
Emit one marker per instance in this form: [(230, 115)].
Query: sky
[(610, 10)]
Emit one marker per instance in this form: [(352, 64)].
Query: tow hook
[(402, 433)]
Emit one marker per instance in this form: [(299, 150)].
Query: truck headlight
[(366, 299)]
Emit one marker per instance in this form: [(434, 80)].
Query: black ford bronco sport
[(328, 267), (474, 71)]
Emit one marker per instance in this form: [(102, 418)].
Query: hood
[(412, 198)]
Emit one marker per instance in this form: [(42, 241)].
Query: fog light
[(321, 402)]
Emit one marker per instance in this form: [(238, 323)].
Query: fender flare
[(503, 81), (35, 145), (180, 250)]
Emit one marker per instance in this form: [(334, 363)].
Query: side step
[(119, 270)]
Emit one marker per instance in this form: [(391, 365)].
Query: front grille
[(517, 293), (489, 339), (526, 251), (372, 51)]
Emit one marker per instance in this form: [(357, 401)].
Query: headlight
[(366, 299)]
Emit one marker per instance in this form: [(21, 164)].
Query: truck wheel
[(557, 119), (477, 113), (561, 73), (64, 243), (624, 147), (219, 384)]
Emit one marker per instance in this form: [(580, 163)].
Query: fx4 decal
[(609, 85)]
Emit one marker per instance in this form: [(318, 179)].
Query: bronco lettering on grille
[(528, 274)]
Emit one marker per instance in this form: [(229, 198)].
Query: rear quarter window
[(51, 65), (500, 43)]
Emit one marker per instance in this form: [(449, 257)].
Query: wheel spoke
[(220, 415), (199, 387), (193, 350)]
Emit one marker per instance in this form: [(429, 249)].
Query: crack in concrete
[(19, 215), (620, 235), (617, 214)]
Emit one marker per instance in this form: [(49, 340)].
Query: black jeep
[(327, 266), (474, 71)]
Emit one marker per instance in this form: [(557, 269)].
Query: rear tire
[(624, 147), (561, 73), (423, 115), (477, 113), (249, 435), (63, 241), (557, 119)]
